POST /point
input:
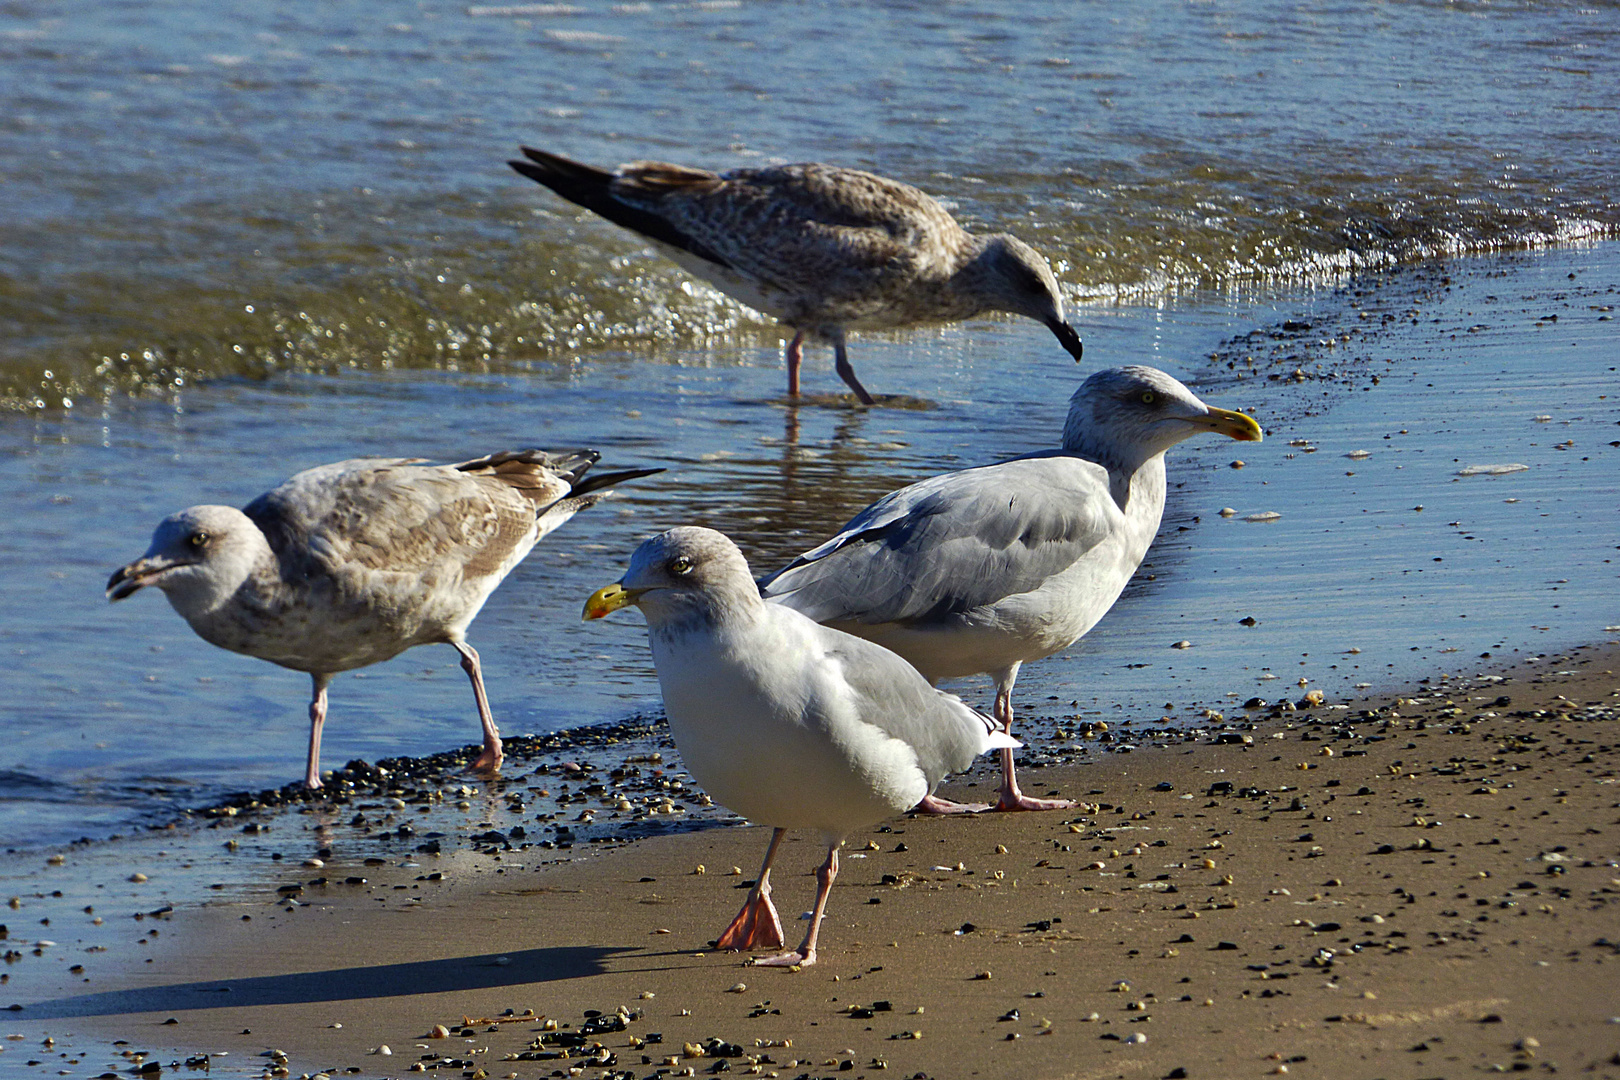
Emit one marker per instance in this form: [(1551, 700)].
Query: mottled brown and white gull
[(823, 249), (983, 570), (352, 563), (788, 723)]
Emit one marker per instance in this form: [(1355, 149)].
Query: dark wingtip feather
[(590, 187), (606, 480)]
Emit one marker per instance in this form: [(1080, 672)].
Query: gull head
[(683, 574), (1009, 275), (1124, 416), (198, 557)]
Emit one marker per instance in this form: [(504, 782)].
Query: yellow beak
[(1232, 424), (608, 599)]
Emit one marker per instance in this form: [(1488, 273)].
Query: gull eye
[(680, 565), (197, 539), (1149, 397)]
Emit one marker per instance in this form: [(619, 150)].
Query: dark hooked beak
[(1066, 337), (128, 580)]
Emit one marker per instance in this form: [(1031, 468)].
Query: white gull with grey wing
[(983, 570), (786, 722)]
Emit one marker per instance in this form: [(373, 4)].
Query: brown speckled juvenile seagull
[(823, 249), (350, 564)]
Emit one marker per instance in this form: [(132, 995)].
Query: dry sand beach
[(1415, 887)]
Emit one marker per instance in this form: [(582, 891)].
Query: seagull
[(983, 570), (784, 721), (823, 249), (352, 563)]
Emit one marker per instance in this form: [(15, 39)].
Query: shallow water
[(128, 711), (309, 187), (245, 240)]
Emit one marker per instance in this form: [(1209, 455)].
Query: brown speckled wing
[(390, 516), (840, 234)]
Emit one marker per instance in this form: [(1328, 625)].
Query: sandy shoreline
[(1434, 898)]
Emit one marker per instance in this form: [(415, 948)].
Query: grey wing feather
[(952, 543), (945, 733)]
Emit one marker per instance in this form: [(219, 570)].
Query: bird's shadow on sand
[(340, 984)]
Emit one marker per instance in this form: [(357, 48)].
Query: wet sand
[(1421, 886)]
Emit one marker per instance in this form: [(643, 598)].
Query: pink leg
[(756, 925), (317, 720), (847, 373), (806, 953), (1011, 797), (490, 759), (795, 356), (933, 804)]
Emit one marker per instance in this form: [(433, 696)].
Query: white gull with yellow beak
[(782, 720), (983, 570)]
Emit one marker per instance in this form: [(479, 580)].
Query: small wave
[(517, 286), (523, 11), (583, 37), (15, 785)]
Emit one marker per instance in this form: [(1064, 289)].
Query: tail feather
[(566, 463), (573, 180), (997, 737), (1002, 740), (536, 474), (592, 188), (607, 480), (584, 495)]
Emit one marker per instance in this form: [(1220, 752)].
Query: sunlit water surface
[(242, 239), (1384, 562)]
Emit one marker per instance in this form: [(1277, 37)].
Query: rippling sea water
[(242, 239)]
